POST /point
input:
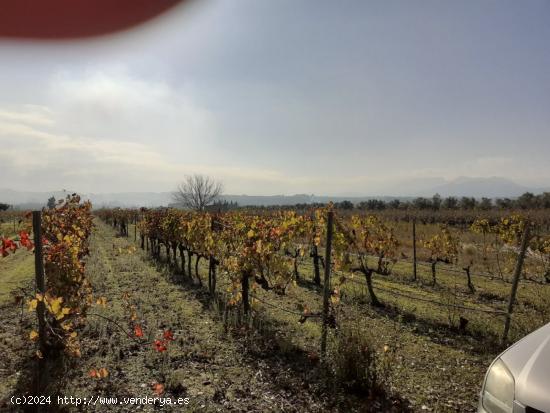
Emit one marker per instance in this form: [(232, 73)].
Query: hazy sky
[(285, 96)]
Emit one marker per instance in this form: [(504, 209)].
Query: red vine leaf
[(158, 388), (138, 331), (160, 346)]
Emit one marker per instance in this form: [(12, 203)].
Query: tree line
[(527, 200)]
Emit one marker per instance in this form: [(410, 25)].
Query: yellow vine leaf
[(55, 305), (102, 301), (64, 312), (33, 304)]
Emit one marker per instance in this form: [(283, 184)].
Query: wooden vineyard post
[(211, 261), (515, 282), (414, 249), (212, 226), (135, 229), (245, 288), (326, 286), (40, 287), (315, 255)]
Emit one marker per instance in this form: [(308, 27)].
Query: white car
[(519, 379)]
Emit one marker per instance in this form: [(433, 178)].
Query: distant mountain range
[(493, 187)]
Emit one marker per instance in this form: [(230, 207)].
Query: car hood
[(529, 362)]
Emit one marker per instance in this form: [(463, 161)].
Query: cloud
[(34, 157), (108, 129), (38, 155), (112, 103), (27, 114), (104, 129)]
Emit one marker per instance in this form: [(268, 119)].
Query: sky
[(284, 97)]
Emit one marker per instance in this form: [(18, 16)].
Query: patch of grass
[(16, 270)]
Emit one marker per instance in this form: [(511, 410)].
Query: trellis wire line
[(426, 264), (448, 268), (282, 308), (466, 308), (500, 312), (492, 277)]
